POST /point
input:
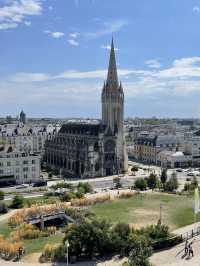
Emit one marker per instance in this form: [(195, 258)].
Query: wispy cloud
[(73, 42), (14, 12), (74, 35), (153, 63), (196, 9), (54, 34), (108, 27), (180, 81)]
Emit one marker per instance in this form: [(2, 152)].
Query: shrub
[(3, 208), (141, 184), (152, 181), (2, 195), (17, 202), (67, 196), (172, 184), (134, 169), (163, 177), (87, 188), (8, 250), (140, 253)]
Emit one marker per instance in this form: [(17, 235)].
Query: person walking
[(186, 247), (191, 252)]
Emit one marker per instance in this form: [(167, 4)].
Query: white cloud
[(108, 27), (74, 35), (6, 26), (73, 42), (182, 68), (196, 9), (27, 23), (108, 47), (153, 63), (14, 12), (29, 77), (54, 34)]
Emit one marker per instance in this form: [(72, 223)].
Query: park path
[(175, 255), (5, 217), (113, 262)]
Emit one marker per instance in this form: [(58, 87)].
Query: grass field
[(140, 210)]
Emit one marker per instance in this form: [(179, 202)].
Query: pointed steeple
[(112, 78)]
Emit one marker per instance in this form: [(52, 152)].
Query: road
[(100, 183)]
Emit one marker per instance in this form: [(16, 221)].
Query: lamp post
[(161, 206), (67, 246)]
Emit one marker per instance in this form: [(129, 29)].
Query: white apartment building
[(192, 146), (18, 167)]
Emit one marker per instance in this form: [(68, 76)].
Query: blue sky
[(54, 56)]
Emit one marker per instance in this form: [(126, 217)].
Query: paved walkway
[(175, 256), (113, 262)]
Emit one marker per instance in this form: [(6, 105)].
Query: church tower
[(113, 98), (113, 109)]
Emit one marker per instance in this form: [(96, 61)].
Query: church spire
[(112, 78)]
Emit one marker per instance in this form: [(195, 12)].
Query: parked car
[(41, 183)]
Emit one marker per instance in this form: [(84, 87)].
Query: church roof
[(82, 129)]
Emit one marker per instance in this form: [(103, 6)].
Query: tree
[(89, 238), (117, 182), (85, 186), (141, 184), (3, 208), (141, 251), (163, 177), (152, 181), (2, 195), (172, 184), (134, 169), (17, 202), (119, 238)]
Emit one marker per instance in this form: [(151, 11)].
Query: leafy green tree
[(117, 182), (80, 192), (17, 202), (141, 184), (89, 238), (2, 194), (172, 184), (85, 186), (163, 177), (141, 251), (119, 238), (152, 181)]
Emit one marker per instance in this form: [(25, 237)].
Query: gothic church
[(93, 150)]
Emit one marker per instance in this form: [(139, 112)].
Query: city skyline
[(54, 57)]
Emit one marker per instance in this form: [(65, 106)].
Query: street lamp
[(161, 207), (67, 246)]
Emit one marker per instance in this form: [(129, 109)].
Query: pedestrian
[(191, 252), (186, 247)]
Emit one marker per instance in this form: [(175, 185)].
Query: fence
[(190, 234)]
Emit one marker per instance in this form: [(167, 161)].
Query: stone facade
[(91, 150), (18, 167)]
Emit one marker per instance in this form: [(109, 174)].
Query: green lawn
[(141, 210), (37, 245)]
